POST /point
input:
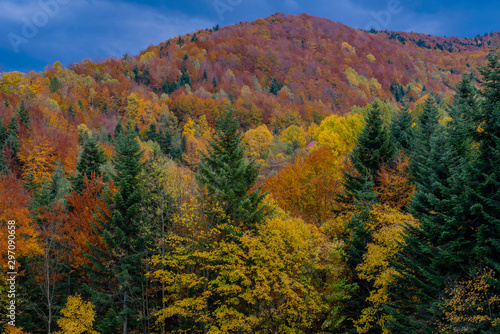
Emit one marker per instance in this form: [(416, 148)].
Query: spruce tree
[(24, 116), (118, 275), (185, 79), (436, 254), (3, 138), (402, 130), (481, 202), (374, 148), (91, 160), (228, 177)]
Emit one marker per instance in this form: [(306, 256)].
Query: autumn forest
[(286, 175)]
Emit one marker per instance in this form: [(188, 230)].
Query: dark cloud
[(36, 33)]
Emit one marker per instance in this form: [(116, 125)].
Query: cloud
[(292, 5), (95, 29), (14, 11)]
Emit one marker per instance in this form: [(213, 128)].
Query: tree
[(23, 116), (185, 79), (438, 249), (78, 317), (228, 177), (55, 84), (91, 160), (374, 148), (294, 134), (258, 141), (118, 272), (275, 87), (402, 130)]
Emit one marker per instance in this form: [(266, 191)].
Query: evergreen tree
[(357, 237), (91, 160), (152, 134), (228, 177), (3, 137), (205, 75), (437, 253), (480, 203), (54, 85), (165, 141), (185, 78), (427, 123), (374, 148), (402, 130), (23, 115), (118, 272), (214, 82), (170, 86), (71, 111), (275, 87), (118, 130)]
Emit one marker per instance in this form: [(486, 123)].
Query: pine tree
[(3, 138), (374, 148), (228, 177), (436, 253), (356, 239), (165, 141), (152, 134), (427, 123), (91, 160), (24, 116), (402, 130), (275, 87), (119, 279), (71, 111), (55, 84), (185, 79), (480, 203)]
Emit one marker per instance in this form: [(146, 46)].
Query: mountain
[(280, 71), (98, 163)]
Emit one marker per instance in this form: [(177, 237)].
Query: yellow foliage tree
[(294, 133), (340, 133), (10, 82), (77, 317), (387, 225), (469, 303), (132, 108), (195, 147), (145, 57), (38, 157), (258, 141), (189, 130), (348, 49), (259, 284)]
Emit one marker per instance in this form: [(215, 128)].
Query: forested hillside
[(287, 175)]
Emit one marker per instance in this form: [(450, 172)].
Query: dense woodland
[(288, 175)]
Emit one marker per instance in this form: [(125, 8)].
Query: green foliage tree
[(451, 251), (54, 85), (228, 177), (118, 272), (402, 130), (91, 160), (374, 148), (185, 79), (23, 116)]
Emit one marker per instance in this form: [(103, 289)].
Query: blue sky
[(34, 33)]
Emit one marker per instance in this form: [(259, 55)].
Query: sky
[(35, 33)]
